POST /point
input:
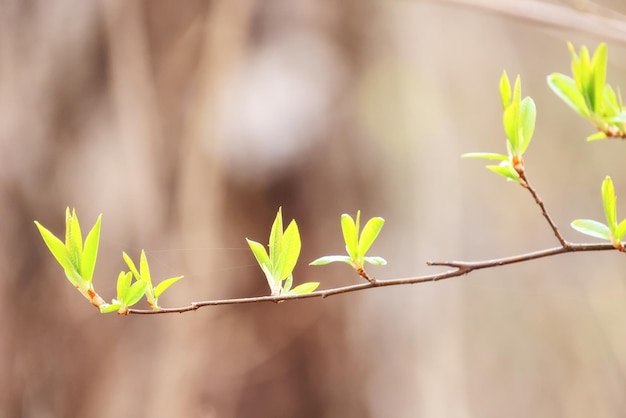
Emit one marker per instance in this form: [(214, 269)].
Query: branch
[(460, 268), (551, 15)]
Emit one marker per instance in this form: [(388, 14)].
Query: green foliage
[(589, 95), (143, 274), (127, 294), (519, 124), (356, 246), (611, 231), (78, 260), (278, 264)]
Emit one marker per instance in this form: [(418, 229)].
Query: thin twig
[(544, 212), (460, 268)]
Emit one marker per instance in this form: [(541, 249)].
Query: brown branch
[(461, 268)]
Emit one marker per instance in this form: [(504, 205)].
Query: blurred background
[(187, 124)]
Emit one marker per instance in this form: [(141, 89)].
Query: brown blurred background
[(187, 124)]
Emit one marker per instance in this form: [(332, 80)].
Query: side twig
[(544, 212)]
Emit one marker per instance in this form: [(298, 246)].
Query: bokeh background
[(187, 124)]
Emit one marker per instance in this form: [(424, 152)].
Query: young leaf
[(330, 259), (164, 285), (565, 87), (304, 288), (592, 228), (620, 231), (350, 235), (510, 121), (369, 234), (272, 280), (123, 284), (597, 136), (144, 269), (505, 170), (56, 247), (131, 266), (598, 65), (74, 239), (290, 251), (276, 238), (90, 252), (135, 292), (486, 155), (259, 253), (287, 285), (377, 261), (110, 307), (609, 202), (528, 116), (505, 90)]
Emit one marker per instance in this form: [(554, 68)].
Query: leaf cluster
[(279, 262), (357, 245), (588, 94), (519, 125), (611, 231), (129, 294), (79, 261)]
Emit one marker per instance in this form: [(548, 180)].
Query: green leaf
[(369, 234), (609, 202), (289, 251), (272, 281), (123, 284), (592, 228), (304, 288), (598, 65), (350, 235), (77, 281), (276, 238), (510, 121), (620, 231), (259, 253), (90, 253), (131, 266), (74, 240), (505, 170), (583, 72), (619, 118), (164, 285), (135, 292), (597, 136), (144, 269), (611, 104), (565, 87), (487, 155), (377, 261), (505, 90), (330, 259), (528, 114), (56, 247), (110, 307), (287, 285)]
